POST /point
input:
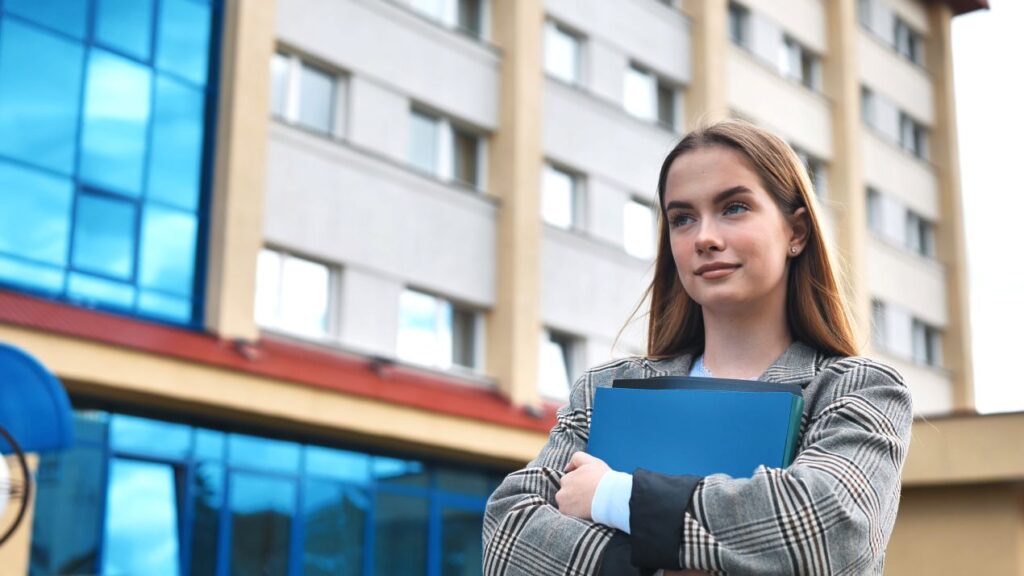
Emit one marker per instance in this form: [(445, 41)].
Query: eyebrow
[(721, 196)]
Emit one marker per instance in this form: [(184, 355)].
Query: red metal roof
[(276, 358)]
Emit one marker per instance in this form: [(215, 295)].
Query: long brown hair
[(815, 307)]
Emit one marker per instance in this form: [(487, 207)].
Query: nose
[(708, 238)]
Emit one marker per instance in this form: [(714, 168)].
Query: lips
[(715, 269)]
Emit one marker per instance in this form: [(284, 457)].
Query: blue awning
[(34, 407)]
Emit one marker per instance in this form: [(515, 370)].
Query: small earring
[(792, 250)]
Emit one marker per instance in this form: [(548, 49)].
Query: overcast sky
[(988, 68)]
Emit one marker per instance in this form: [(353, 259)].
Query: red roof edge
[(278, 359)]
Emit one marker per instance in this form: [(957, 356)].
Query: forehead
[(700, 174)]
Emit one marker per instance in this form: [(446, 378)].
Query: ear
[(800, 228)]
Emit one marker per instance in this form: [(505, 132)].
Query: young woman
[(743, 288)]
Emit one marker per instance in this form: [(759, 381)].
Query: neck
[(743, 345)]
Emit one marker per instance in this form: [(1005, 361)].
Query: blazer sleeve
[(830, 512), (525, 533)]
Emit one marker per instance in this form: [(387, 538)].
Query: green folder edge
[(796, 413)]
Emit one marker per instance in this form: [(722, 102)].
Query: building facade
[(316, 273)]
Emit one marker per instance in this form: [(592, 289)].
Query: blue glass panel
[(91, 426), (141, 528), (94, 291), (400, 523), (104, 236), (30, 276), (125, 25), (463, 482), (68, 509), (117, 108), (461, 549), (35, 215), (338, 464), (183, 39), (176, 155), (168, 257), (40, 88), (208, 498), (263, 453), (262, 510), (399, 472), (164, 307), (335, 525), (67, 16), (149, 437), (209, 444)]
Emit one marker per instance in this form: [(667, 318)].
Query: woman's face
[(730, 241)]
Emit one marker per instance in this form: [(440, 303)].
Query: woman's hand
[(583, 474)]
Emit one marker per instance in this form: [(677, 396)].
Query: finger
[(577, 460)]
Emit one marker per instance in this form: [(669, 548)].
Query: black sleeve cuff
[(656, 511), (616, 559)]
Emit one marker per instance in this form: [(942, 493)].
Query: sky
[(988, 72)]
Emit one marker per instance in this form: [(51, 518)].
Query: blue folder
[(698, 426)]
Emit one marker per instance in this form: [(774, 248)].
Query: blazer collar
[(798, 364)]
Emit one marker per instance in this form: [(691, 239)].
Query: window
[(908, 42), (435, 332), (864, 13), (101, 178), (879, 332), (560, 197), (920, 235), (739, 25), (293, 294), (876, 221), (445, 151), (562, 54), (816, 171), (800, 64), (867, 106), (927, 343), (558, 363), (301, 93), (464, 15), (648, 97), (639, 236), (913, 137)]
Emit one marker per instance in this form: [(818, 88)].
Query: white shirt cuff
[(611, 500)]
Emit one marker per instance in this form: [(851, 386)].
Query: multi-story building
[(316, 272)]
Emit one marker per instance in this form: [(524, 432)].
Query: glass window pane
[(316, 103), (168, 256), (40, 89), (209, 444), (464, 338), (424, 329), (150, 437), (104, 236), (183, 39), (466, 153), (117, 112), (68, 509), (639, 229), (305, 297), (558, 198), (279, 64), (262, 509), (268, 287), (335, 528), (263, 453), (469, 16), (463, 481), (400, 523), (666, 105), (35, 221), (164, 307), (639, 93), (423, 142), (93, 291), (141, 528), (432, 8), (176, 155), (561, 54), (338, 464), (67, 16), (125, 25), (461, 546), (398, 472), (31, 276), (207, 498)]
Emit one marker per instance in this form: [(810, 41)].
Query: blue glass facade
[(106, 122), (145, 496)]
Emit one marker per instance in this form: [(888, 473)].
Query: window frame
[(738, 21), (331, 321), (578, 41), (445, 162), (456, 307), (292, 97), (577, 202)]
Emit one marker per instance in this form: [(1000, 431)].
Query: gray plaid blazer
[(830, 512)]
